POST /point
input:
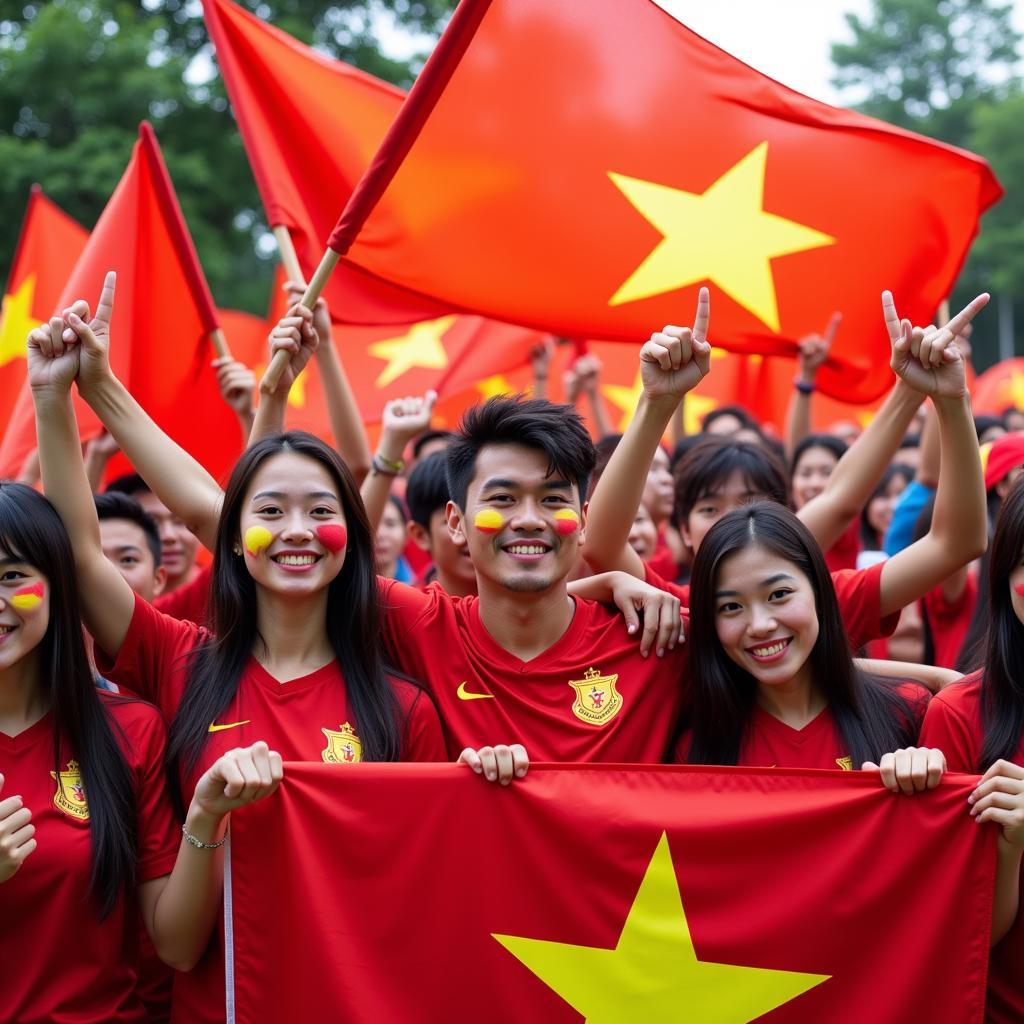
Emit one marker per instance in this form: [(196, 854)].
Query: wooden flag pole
[(288, 256), (220, 343), (277, 365)]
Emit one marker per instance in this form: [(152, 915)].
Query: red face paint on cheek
[(28, 597), (332, 536), (1019, 590), (566, 522)]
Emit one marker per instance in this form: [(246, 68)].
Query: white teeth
[(295, 559), (767, 652), (526, 549), (4, 630)]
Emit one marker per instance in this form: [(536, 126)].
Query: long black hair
[(869, 538), (32, 532), (871, 715), (353, 619), (1002, 690)]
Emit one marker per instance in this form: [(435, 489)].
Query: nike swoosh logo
[(228, 725), (464, 694)]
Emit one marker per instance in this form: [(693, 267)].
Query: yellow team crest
[(70, 795), (597, 701), (342, 747), (846, 763)]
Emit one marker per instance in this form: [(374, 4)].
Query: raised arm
[(295, 334), (53, 364), (929, 361), (237, 384), (342, 409), (403, 419), (671, 364), (812, 353)]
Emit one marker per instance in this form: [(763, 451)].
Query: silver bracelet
[(199, 844)]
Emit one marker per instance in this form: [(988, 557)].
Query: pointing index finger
[(892, 319), (703, 318), (968, 313), (105, 309)]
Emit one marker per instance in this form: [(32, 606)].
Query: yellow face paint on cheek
[(488, 520), (257, 539), (27, 598), (566, 521)]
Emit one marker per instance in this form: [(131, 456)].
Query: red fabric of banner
[(589, 165), (401, 893)]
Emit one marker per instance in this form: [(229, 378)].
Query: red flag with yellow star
[(608, 894), (310, 126), (163, 315), (585, 167), (48, 248), (999, 387)]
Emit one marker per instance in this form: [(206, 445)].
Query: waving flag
[(585, 167)]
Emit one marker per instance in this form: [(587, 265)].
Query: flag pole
[(316, 285), (220, 343), (289, 258)]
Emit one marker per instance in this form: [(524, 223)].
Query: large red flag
[(585, 167), (48, 248), (607, 894), (163, 315), (999, 387), (310, 125)]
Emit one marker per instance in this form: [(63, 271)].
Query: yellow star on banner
[(16, 321), (297, 395), (653, 974), (492, 387), (696, 408), (624, 399), (419, 346), (722, 235)]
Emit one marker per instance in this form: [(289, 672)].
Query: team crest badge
[(70, 795), (846, 763), (597, 701), (342, 747)]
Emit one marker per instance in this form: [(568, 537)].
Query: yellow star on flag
[(723, 235), (694, 411), (297, 395), (624, 399), (492, 387), (653, 974), (420, 346), (16, 321)]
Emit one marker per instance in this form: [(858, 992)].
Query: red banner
[(416, 893)]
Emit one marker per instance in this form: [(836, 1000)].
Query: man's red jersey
[(954, 725), (60, 961), (589, 697)]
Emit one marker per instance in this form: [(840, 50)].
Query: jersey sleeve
[(682, 591), (403, 609), (144, 737), (859, 593), (947, 727), (423, 739), (153, 660)]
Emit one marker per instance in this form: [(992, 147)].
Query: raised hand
[(242, 776), (53, 363), (404, 418), (237, 383), (16, 834), (321, 314), (296, 335), (675, 360), (928, 358), (813, 349), (92, 334)]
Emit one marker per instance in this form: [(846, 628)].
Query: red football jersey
[(843, 554), (189, 601), (61, 962), (858, 593), (305, 719), (589, 697), (953, 724), (950, 620)]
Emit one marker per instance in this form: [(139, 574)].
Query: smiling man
[(525, 661)]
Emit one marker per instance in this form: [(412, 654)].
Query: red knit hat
[(1004, 454)]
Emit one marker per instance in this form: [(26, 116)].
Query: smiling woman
[(774, 681)]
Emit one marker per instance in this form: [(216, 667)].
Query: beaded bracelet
[(199, 844)]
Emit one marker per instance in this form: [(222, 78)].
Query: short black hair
[(746, 420), (118, 505), (555, 430), (911, 441), (129, 483), (427, 488), (829, 442), (426, 437), (705, 468)]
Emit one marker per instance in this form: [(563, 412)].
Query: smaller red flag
[(163, 315), (999, 387), (48, 248)]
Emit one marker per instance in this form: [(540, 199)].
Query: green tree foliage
[(947, 69), (77, 76)]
